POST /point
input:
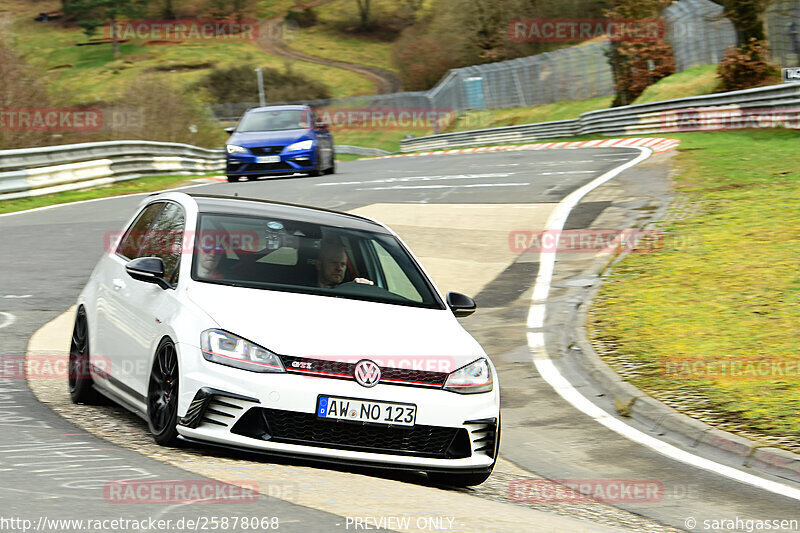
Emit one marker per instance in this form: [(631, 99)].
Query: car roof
[(234, 205), (278, 108)]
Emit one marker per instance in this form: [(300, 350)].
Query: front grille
[(266, 150), (290, 427), (339, 370), (253, 167)]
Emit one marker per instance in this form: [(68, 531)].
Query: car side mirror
[(321, 125), (148, 270), (460, 304), (230, 130)]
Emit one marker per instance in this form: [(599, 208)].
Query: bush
[(636, 66), (744, 67), (239, 84), (304, 19), (422, 59), (155, 109)]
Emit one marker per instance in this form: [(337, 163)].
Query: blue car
[(279, 140)]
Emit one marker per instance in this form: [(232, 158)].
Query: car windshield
[(276, 120), (298, 256)]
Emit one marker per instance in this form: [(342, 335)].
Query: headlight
[(227, 349), (470, 379), (302, 145), (234, 149)]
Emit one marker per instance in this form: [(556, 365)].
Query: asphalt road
[(456, 213)]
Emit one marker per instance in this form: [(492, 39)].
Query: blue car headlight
[(302, 145), (227, 349), (235, 149)]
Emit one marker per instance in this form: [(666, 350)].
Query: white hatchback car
[(286, 329)]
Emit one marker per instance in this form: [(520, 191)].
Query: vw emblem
[(367, 373)]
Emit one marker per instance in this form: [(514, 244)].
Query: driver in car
[(331, 266)]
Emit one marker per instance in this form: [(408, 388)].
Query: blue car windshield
[(278, 120)]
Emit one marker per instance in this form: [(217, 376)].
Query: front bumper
[(276, 413), (290, 162)]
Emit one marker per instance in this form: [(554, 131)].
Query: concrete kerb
[(658, 417)]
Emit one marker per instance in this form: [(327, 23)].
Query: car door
[(149, 301), (133, 305), (114, 320)]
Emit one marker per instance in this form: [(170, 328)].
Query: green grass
[(389, 139), (726, 286), (495, 118), (325, 42), (386, 139), (92, 74), (691, 82), (148, 184), (271, 8)]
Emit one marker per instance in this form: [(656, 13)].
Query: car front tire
[(332, 168), (79, 378), (162, 395)]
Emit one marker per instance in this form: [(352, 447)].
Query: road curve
[(456, 213)]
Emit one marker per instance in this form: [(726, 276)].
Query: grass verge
[(691, 82), (148, 184), (92, 74), (708, 324)]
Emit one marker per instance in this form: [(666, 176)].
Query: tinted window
[(294, 256), (134, 237), (165, 238), (274, 120)]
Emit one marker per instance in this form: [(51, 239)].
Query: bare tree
[(364, 8)]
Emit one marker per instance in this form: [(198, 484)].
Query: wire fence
[(696, 29), (782, 23), (698, 33)]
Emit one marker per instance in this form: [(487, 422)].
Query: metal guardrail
[(777, 105), (50, 169)]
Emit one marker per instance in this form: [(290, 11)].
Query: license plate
[(269, 159), (395, 414)]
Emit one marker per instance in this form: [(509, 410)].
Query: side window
[(133, 240), (165, 238), (396, 280)]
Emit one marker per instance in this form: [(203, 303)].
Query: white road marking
[(400, 187), (567, 172), (551, 374), (419, 178), (8, 319), (10, 296)]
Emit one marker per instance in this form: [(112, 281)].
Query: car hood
[(268, 138), (340, 329)]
